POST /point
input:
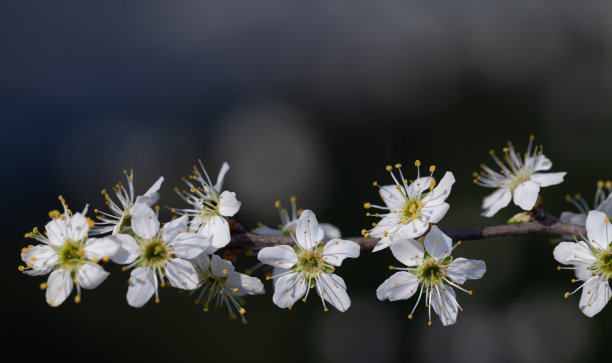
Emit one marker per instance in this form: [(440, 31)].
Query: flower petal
[(330, 231), (90, 275), (547, 179), (288, 289), (599, 229), (526, 195), (606, 206), (571, 253), (308, 233), (441, 191), (382, 244), (583, 271), (128, 250), (151, 196), (573, 218), (59, 287), (144, 221), (400, 286), (333, 289), (414, 229), (462, 269), (246, 285), (267, 231), (278, 256), (57, 231), (143, 285), (419, 186), (228, 204), (336, 250), (221, 267), (542, 163), (182, 274), (202, 262), (224, 169), (217, 229), (392, 197), (407, 251), (435, 213), (444, 303), (99, 248), (77, 227), (496, 201), (189, 245), (171, 229), (595, 295), (437, 244), (42, 259), (390, 223)]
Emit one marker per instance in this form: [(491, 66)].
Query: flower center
[(71, 254), (518, 180), (431, 272), (603, 265), (310, 263), (155, 253), (411, 210)]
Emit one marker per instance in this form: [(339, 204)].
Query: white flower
[(211, 207), (120, 213), (310, 264), (520, 180), (430, 272), (591, 259), (601, 203), (221, 285), (289, 223), (411, 206), (68, 254), (158, 253)]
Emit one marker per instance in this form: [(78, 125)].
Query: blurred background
[(313, 100)]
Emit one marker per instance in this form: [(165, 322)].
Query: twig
[(510, 230)]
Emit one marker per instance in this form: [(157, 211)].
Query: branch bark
[(547, 226)]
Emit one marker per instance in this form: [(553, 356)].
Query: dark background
[(310, 99)]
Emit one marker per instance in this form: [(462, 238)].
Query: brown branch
[(548, 226)]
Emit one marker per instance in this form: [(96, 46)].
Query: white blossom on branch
[(68, 254), (519, 178), (211, 207), (121, 211), (409, 206), (310, 264), (591, 260), (430, 272)]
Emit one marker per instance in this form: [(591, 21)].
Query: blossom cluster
[(188, 252), (179, 253)]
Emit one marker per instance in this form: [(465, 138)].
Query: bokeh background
[(310, 99)]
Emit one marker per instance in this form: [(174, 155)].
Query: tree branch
[(547, 226)]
